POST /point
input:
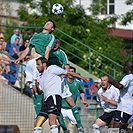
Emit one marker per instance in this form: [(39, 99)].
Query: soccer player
[(125, 107), (109, 97), (57, 56), (50, 84), (39, 45), (74, 86)]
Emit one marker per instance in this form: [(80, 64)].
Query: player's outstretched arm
[(78, 76), (22, 56), (116, 83)]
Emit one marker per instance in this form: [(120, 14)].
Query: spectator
[(4, 59), (29, 34), (36, 31), (108, 96), (94, 88), (14, 51), (20, 82), (16, 35), (3, 40), (24, 46)]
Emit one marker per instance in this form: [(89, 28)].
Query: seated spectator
[(14, 51), (29, 34), (24, 46), (16, 35), (4, 59), (21, 72), (3, 42)]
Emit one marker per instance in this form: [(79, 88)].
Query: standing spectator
[(125, 107), (16, 35), (14, 51), (74, 86), (108, 96)]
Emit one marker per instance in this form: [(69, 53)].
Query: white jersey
[(111, 93), (126, 94), (50, 81)]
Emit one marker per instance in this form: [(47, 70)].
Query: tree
[(89, 30)]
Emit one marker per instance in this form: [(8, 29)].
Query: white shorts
[(31, 71), (67, 113), (65, 90)]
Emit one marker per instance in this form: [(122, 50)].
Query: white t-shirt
[(126, 95), (111, 93), (50, 81)]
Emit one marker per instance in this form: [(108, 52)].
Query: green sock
[(62, 123), (77, 116), (37, 106), (34, 99)]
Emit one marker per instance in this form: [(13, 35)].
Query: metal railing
[(92, 61), (92, 58)]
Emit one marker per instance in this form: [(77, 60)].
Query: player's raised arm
[(48, 49), (78, 76), (22, 56)]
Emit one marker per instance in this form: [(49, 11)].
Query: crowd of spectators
[(11, 73)]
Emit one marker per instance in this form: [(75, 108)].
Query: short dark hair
[(43, 60), (71, 67), (56, 37), (129, 64), (51, 20)]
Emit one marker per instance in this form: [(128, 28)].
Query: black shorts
[(107, 117), (51, 106), (124, 119)]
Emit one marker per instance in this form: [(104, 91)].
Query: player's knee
[(95, 127), (70, 101)]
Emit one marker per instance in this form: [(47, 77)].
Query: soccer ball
[(57, 9)]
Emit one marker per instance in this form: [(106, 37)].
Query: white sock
[(54, 129), (95, 128), (37, 130)]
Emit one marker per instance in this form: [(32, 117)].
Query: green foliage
[(89, 30)]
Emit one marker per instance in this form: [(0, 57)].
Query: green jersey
[(57, 57), (41, 41), (74, 87)]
